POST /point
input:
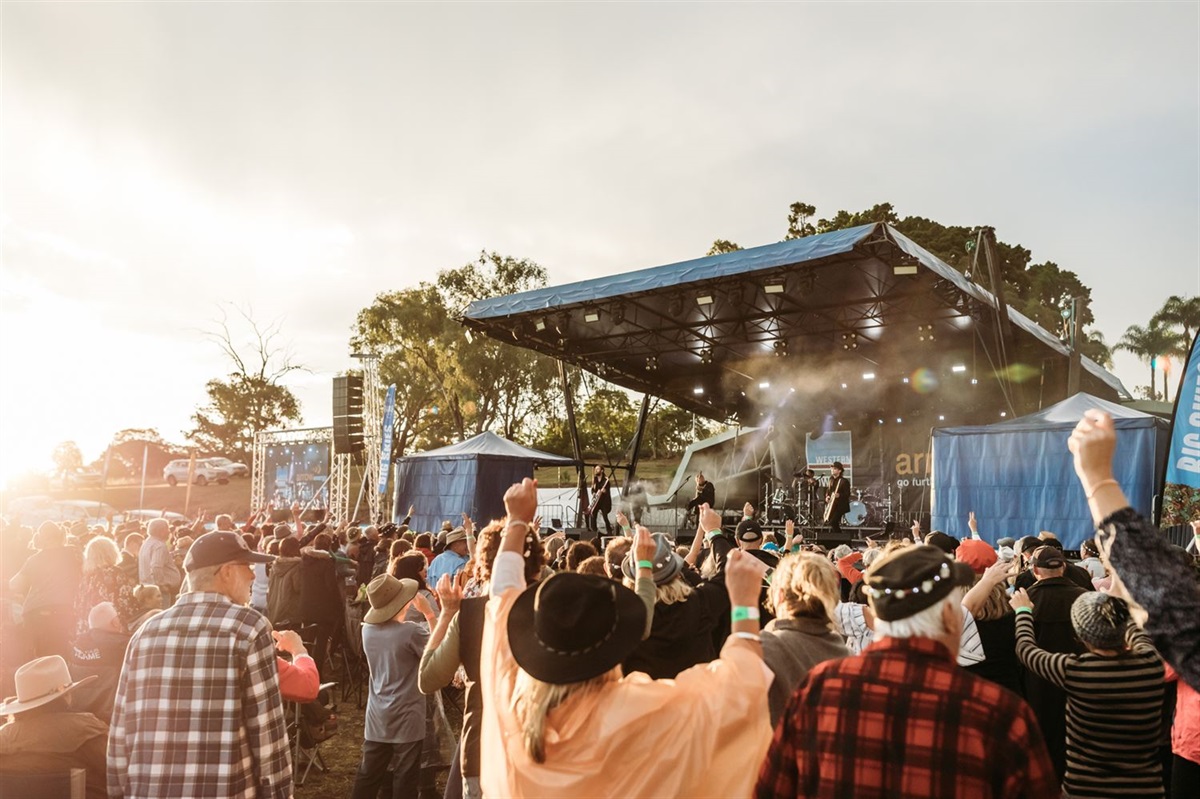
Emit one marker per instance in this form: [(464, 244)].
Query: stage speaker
[(347, 414)]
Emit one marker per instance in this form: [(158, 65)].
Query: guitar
[(831, 501), (596, 496)]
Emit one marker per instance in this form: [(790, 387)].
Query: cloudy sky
[(163, 159)]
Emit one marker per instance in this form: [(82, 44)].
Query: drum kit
[(803, 502)]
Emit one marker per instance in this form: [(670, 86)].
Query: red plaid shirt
[(902, 720)]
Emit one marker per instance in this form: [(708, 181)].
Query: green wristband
[(711, 534), (743, 613), (1025, 610), (646, 564)]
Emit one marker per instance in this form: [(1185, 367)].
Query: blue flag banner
[(1181, 493), (385, 448)]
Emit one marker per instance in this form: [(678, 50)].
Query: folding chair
[(302, 756)]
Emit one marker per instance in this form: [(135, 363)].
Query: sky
[(163, 163)]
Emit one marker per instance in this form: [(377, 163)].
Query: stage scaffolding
[(339, 467)]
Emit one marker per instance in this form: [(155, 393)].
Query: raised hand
[(520, 500), (744, 578), (709, 519), (622, 521), (422, 604), (748, 510), (972, 525), (644, 545), (450, 594), (1092, 443), (916, 531), (1020, 599)]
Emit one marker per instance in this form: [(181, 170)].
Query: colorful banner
[(385, 448), (1181, 492)]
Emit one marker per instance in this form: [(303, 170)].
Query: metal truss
[(372, 435), (339, 487), (266, 438)]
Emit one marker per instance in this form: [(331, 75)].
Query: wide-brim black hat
[(572, 627)]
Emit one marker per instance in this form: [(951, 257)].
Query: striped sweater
[(1114, 714)]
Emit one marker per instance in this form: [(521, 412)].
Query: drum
[(856, 515)]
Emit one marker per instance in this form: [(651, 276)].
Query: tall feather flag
[(1181, 489)]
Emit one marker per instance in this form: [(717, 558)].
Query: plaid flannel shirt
[(901, 720), (198, 711)]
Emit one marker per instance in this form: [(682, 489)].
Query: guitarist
[(837, 501), (601, 500)]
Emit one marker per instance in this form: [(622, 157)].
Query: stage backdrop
[(1018, 477), (470, 477)]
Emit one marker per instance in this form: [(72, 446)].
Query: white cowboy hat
[(40, 682)]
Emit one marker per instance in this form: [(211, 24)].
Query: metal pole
[(576, 447), (630, 475), (1076, 363), (145, 458)]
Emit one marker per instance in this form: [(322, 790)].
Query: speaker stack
[(347, 415)]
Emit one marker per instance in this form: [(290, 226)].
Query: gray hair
[(927, 623), (202, 579)]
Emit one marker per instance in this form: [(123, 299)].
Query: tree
[(123, 456), (250, 398), (67, 457), (1181, 312), (1149, 343), (722, 246), (798, 224), (450, 384), (606, 424)]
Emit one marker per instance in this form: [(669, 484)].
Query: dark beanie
[(1100, 620), (944, 542)]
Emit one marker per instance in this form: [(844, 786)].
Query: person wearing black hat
[(837, 499), (198, 710), (561, 719), (902, 719)]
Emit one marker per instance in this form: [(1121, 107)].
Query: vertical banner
[(385, 447), (1181, 491)]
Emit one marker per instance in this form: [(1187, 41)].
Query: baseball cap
[(749, 530), (220, 547), (1048, 557)]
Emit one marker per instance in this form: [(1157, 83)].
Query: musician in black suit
[(601, 500), (839, 496), (706, 493)]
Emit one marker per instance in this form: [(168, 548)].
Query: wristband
[(1100, 485), (747, 636), (1025, 610), (646, 564), (511, 522), (743, 613), (711, 534)]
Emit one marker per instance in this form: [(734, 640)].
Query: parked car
[(146, 514), (83, 478), (32, 511), (206, 472), (235, 468)]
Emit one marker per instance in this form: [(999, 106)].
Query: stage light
[(958, 367), (698, 390), (764, 384), (539, 325), (591, 315), (868, 375), (899, 420), (706, 355), (774, 287), (881, 421), (849, 341), (974, 381), (843, 385), (471, 339), (906, 380), (1003, 414), (941, 418), (781, 347), (904, 269), (792, 390), (651, 364), (618, 314), (924, 332), (704, 299)]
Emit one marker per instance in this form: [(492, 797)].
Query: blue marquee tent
[(470, 476), (1019, 478)]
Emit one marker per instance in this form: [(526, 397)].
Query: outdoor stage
[(852, 345)]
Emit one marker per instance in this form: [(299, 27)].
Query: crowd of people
[(159, 657)]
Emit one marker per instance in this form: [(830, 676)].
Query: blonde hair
[(805, 586), (669, 593), (996, 605), (100, 552), (532, 701)]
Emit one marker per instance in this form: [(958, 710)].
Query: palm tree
[(1150, 342), (1182, 312)]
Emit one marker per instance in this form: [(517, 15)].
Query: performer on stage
[(601, 500), (706, 493), (806, 492), (837, 501)]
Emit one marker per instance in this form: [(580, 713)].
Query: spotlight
[(618, 314), (704, 299), (792, 390), (539, 325), (906, 380), (924, 332), (958, 367), (941, 418), (774, 287), (764, 384), (843, 385), (698, 390), (904, 269), (781, 347), (651, 364), (868, 375), (974, 381), (881, 421), (849, 341), (706, 355), (1003, 414), (899, 420), (591, 315)]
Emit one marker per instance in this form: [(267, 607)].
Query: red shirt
[(298, 680), (902, 720)]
